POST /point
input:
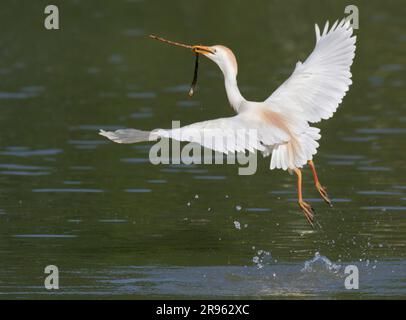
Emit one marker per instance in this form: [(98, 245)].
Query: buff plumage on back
[(316, 87)]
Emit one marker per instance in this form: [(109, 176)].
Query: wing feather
[(227, 135), (317, 86)]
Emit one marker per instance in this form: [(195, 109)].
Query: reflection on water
[(117, 225)]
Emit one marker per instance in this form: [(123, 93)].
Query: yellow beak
[(202, 49)]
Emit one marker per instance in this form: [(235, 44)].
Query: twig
[(171, 42)]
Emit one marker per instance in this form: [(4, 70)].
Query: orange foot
[(308, 211), (323, 193)]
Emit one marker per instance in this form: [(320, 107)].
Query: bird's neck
[(233, 93)]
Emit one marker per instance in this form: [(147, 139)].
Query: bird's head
[(221, 55)]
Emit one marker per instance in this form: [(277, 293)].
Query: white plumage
[(279, 125), (317, 86)]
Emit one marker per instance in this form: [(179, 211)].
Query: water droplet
[(261, 258)]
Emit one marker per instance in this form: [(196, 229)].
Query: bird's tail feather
[(296, 152), (129, 135)]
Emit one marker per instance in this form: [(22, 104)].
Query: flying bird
[(312, 93)]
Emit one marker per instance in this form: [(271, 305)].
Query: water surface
[(118, 226)]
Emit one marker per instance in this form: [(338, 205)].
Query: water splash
[(263, 257), (320, 263)]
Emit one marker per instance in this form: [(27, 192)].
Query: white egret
[(312, 93)]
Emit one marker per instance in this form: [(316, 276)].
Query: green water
[(118, 226)]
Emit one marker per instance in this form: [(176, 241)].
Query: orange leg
[(306, 208), (319, 187)]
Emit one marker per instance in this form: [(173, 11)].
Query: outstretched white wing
[(244, 131), (317, 86)]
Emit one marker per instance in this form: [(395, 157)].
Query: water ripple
[(257, 209), (379, 193), (384, 208), (139, 190), (21, 167), (67, 190), (157, 181), (17, 95), (321, 200), (135, 160), (141, 95), (25, 152), (210, 177), (112, 220), (370, 168), (24, 173), (382, 131), (359, 139), (44, 236)]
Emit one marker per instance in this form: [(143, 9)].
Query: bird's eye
[(215, 50)]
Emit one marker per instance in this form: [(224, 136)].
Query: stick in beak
[(178, 44), (195, 49)]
